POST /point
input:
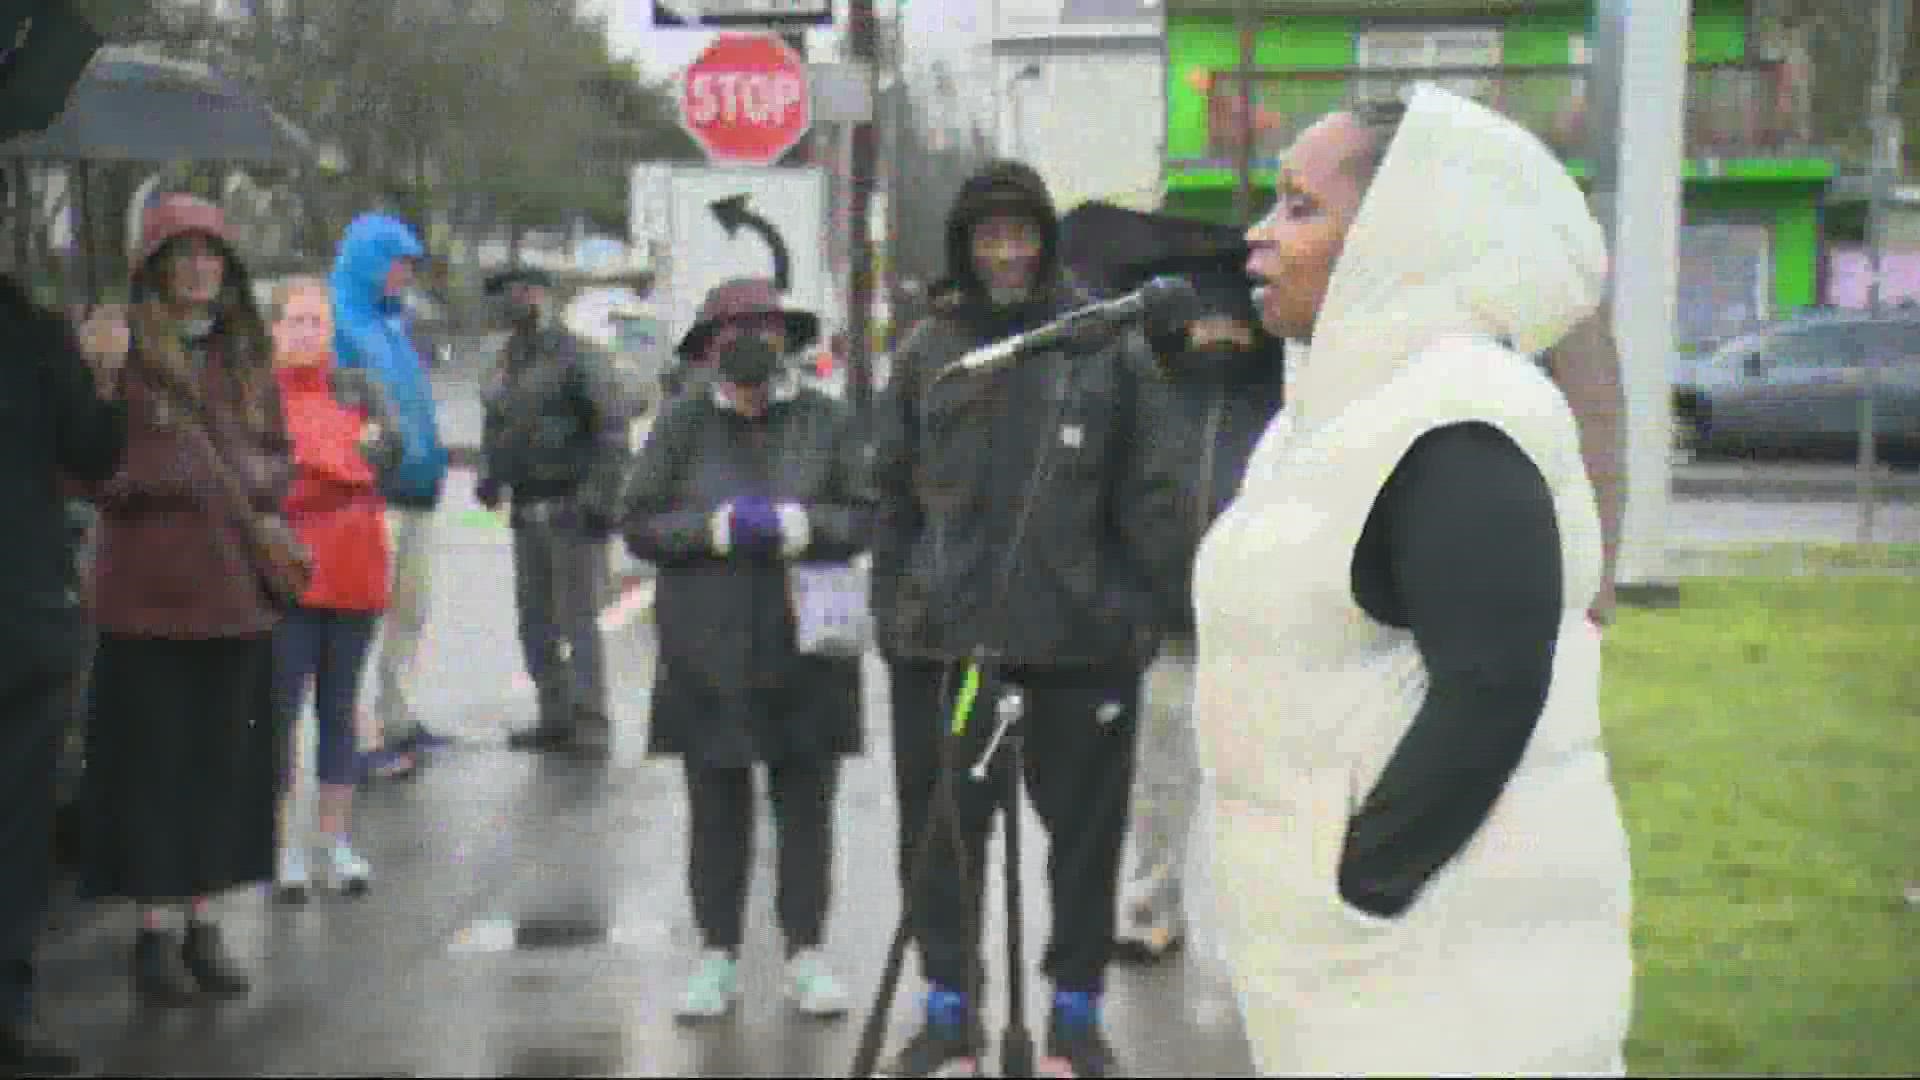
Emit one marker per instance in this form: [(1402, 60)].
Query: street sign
[(780, 14), (744, 99), (746, 222)]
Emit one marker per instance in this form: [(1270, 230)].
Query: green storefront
[(1751, 238)]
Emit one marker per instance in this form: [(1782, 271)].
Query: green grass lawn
[(1766, 743)]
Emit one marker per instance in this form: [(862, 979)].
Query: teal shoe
[(712, 990)]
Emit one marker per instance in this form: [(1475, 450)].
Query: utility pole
[(1635, 153), (1885, 125), (864, 40), (1247, 25), (802, 152)]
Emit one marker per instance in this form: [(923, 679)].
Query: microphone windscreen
[(1167, 302)]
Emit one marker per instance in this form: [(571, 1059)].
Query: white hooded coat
[(1515, 959)]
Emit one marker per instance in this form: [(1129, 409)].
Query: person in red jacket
[(342, 436)]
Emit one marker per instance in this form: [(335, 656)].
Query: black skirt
[(183, 765)]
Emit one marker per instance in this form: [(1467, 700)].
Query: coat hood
[(1471, 226), (1000, 187), (367, 252)]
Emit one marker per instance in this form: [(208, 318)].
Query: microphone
[(1163, 301)]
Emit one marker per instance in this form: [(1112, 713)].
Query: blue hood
[(372, 332), (367, 252)]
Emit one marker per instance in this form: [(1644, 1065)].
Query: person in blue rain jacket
[(376, 264)]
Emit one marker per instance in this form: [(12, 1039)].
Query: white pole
[(1636, 156)]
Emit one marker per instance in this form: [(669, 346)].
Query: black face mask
[(748, 362)]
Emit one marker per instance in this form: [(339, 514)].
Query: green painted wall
[(1206, 42), (1792, 209)]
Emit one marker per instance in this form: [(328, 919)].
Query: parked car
[(1794, 389)]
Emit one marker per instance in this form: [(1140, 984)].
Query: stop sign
[(744, 99)]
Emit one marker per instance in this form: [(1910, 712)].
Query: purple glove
[(753, 525)]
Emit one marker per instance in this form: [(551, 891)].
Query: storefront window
[(1725, 279)]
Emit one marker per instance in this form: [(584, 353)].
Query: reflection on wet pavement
[(529, 918)]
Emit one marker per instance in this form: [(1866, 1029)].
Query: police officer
[(554, 444)]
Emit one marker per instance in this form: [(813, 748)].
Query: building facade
[(1077, 94), (1751, 243)]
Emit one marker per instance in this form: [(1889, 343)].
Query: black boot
[(592, 737), (22, 1053), (160, 976), (552, 731), (209, 963)]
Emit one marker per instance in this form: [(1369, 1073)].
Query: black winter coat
[(51, 422), (730, 688), (1029, 512)]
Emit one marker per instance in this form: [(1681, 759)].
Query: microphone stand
[(1016, 1041)]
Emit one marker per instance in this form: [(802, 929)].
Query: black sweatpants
[(1080, 730), (33, 725), (720, 849)]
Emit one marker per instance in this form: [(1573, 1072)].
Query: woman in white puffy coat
[(1417, 851)]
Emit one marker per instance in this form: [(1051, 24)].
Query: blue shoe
[(1075, 1045), (949, 1045), (424, 742), (388, 764)]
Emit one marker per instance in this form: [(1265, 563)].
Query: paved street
[(528, 918)]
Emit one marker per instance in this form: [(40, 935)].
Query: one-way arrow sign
[(733, 214)]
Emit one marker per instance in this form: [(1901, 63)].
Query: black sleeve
[(1473, 550), (91, 434)]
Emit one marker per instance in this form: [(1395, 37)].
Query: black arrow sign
[(732, 213)]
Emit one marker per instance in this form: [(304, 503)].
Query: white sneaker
[(813, 988), (347, 872), (292, 881)]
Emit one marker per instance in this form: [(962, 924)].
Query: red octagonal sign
[(744, 99)]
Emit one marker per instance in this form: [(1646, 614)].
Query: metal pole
[(1634, 157), (1886, 163), (866, 161), (1246, 24), (896, 162)]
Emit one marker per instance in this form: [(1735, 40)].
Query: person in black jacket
[(1027, 524), (739, 492), (554, 443), (1227, 374), (58, 415)]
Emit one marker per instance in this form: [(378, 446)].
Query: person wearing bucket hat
[(554, 443), (183, 759), (740, 496), (750, 305)]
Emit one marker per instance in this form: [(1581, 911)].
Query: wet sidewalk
[(529, 917)]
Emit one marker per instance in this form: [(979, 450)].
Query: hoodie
[(1003, 187), (372, 332), (1052, 479), (1472, 250)]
